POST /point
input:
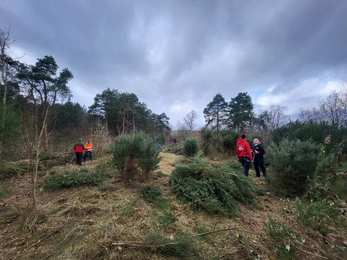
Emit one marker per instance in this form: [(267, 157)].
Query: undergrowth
[(73, 179), (215, 190)]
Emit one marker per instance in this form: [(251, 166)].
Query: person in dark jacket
[(79, 149), (258, 152), (244, 154)]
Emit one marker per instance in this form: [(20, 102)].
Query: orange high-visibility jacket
[(88, 146)]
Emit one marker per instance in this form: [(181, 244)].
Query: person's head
[(243, 136), (256, 141), (80, 139), (88, 141)]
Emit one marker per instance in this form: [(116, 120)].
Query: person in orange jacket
[(89, 150), (79, 148), (244, 153)]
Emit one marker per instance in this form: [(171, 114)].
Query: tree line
[(36, 107), (238, 114), (36, 110)]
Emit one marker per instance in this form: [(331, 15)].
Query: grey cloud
[(180, 52)]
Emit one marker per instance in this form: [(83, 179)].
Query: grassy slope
[(114, 222)]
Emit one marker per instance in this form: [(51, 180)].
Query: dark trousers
[(259, 163), (246, 163), (79, 158), (87, 154)]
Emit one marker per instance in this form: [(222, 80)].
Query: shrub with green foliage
[(310, 131), (73, 179), (135, 154), (229, 140), (11, 169), (190, 146), (153, 194), (215, 190), (319, 215), (173, 148), (292, 164), (150, 191), (212, 142), (183, 247)]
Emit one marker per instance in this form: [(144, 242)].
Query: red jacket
[(79, 147), (243, 149)]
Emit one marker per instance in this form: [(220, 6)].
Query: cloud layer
[(176, 55)]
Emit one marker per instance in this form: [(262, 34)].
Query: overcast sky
[(176, 55)]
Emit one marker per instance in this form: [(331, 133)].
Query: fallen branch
[(210, 232), (179, 213), (140, 244), (309, 253)]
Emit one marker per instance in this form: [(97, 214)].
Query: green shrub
[(319, 215), (166, 219), (292, 164), (72, 179), (173, 148), (11, 169), (161, 139), (212, 142), (229, 140), (229, 143), (182, 247), (153, 194), (150, 191), (215, 190), (135, 155), (190, 146)]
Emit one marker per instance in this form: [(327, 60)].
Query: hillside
[(112, 221)]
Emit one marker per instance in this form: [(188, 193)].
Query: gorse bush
[(318, 215), (190, 146), (329, 178), (292, 164), (135, 155), (229, 140), (215, 190), (212, 142)]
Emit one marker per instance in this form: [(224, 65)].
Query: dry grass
[(168, 162), (86, 223)]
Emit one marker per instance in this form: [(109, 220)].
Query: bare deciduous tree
[(310, 116), (334, 109), (189, 120), (276, 116)]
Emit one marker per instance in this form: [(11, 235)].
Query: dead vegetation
[(113, 221)]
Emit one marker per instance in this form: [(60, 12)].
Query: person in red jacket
[(244, 153), (79, 149)]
